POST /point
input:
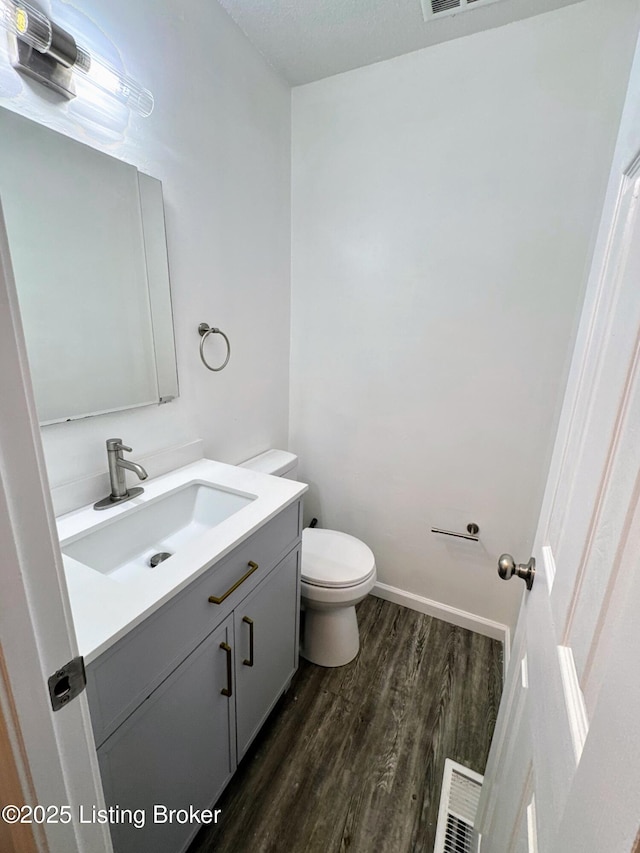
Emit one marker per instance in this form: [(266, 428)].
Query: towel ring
[(205, 330)]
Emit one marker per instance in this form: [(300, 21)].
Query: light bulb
[(26, 22)]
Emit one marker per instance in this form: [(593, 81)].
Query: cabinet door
[(177, 750), (267, 622)]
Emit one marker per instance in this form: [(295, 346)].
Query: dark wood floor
[(352, 758)]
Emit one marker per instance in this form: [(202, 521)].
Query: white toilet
[(338, 571)]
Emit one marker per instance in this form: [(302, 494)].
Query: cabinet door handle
[(214, 599), (249, 622), (228, 690)]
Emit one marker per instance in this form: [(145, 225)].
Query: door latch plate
[(66, 683)]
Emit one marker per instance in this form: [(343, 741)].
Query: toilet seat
[(335, 560)]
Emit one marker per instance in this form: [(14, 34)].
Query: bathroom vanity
[(198, 653)]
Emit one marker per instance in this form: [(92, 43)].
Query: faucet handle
[(116, 444)]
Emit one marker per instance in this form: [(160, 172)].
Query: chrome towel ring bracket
[(205, 330)]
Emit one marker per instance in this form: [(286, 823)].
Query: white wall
[(444, 206), (219, 139)]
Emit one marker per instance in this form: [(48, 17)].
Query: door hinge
[(66, 683)]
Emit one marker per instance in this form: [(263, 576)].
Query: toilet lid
[(334, 559)]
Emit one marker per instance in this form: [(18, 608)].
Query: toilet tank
[(279, 463)]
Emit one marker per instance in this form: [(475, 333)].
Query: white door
[(563, 774), (54, 752)]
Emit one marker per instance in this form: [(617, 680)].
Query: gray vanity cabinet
[(176, 750), (172, 718), (265, 657)]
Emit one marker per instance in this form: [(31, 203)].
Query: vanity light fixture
[(52, 56)]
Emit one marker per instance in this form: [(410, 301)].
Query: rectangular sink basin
[(124, 547)]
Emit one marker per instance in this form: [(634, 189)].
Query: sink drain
[(158, 558)]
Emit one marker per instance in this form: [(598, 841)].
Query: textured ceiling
[(307, 40)]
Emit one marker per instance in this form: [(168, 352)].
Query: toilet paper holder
[(472, 532)]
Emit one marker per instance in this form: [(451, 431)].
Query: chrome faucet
[(117, 464)]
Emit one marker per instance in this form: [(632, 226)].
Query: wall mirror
[(88, 248)]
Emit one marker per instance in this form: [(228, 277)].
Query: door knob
[(507, 568)]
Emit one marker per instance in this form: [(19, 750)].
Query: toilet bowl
[(337, 572)]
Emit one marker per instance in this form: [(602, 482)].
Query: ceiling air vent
[(439, 8)]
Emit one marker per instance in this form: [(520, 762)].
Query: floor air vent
[(439, 8), (458, 806)]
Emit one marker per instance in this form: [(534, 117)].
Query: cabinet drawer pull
[(249, 622), (228, 690), (214, 599)]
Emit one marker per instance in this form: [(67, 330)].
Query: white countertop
[(103, 609)]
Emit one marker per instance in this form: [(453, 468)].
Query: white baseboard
[(461, 618), (70, 496)]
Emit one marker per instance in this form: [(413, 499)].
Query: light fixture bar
[(33, 28)]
